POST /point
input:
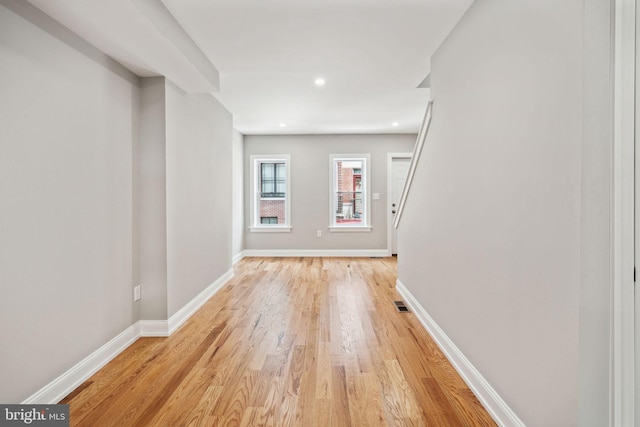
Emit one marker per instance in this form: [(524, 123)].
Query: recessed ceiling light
[(395, 124), (319, 82), (282, 125)]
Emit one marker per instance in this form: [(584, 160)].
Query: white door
[(399, 170)]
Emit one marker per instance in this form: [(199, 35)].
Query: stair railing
[(415, 158)]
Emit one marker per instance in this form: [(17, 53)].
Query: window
[(270, 187), (350, 194), (273, 180)]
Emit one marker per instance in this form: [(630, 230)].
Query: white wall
[(66, 139), (152, 202), (198, 158), (185, 196), (594, 338), (491, 233), (238, 194), (310, 189), (106, 181)]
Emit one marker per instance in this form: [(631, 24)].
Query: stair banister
[(415, 158)]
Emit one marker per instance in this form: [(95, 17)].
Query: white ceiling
[(372, 53)]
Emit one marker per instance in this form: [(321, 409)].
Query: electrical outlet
[(136, 293), (319, 233)]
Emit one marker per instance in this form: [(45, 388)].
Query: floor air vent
[(401, 307)]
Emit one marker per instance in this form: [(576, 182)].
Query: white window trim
[(366, 192), (349, 228), (254, 194), (266, 228)]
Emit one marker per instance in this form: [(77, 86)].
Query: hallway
[(287, 342)]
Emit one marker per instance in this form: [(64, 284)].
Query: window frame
[(262, 218), (365, 226), (274, 180), (255, 193)]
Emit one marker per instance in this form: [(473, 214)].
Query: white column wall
[(491, 233), (66, 228)]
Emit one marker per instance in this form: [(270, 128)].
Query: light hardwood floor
[(287, 342)]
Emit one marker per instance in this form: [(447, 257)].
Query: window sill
[(350, 229), (272, 229)]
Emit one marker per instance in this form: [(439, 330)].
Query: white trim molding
[(192, 306), (153, 328), (345, 229), (57, 389), (272, 229), (502, 414), (334, 159), (237, 257), (377, 253), (622, 390), (255, 160), (60, 387)]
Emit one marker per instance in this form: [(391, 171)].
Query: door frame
[(622, 365), (390, 157)]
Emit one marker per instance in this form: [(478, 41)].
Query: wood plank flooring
[(287, 342)]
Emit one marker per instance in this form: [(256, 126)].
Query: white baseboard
[(315, 252), (237, 257), (192, 306), (502, 414), (153, 328), (57, 389)]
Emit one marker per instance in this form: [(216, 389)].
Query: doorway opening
[(397, 170)]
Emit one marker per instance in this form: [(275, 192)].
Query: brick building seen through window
[(349, 204), (272, 193)]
